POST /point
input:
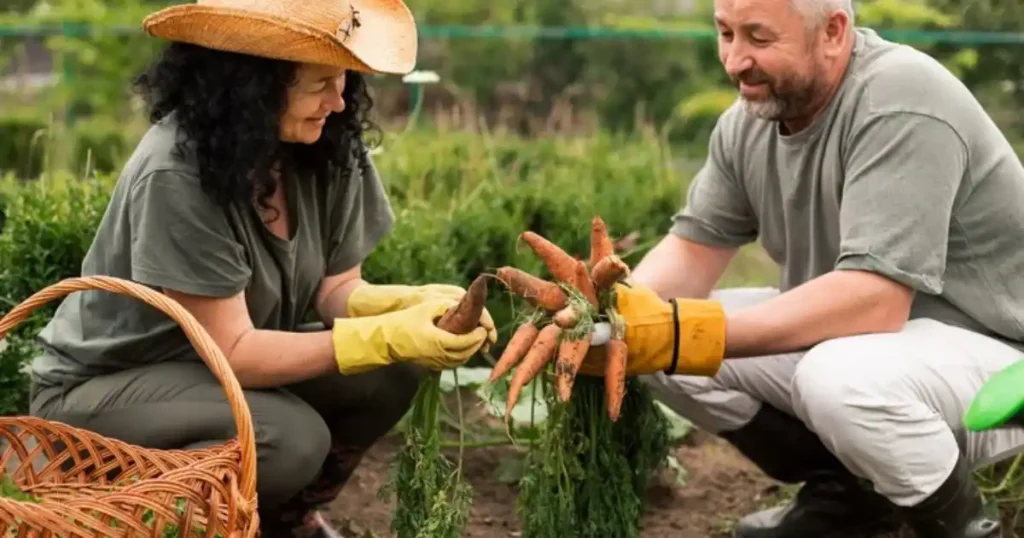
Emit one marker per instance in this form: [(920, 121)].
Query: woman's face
[(315, 95)]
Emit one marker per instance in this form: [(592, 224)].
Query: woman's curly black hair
[(228, 109)]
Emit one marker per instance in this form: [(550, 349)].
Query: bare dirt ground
[(721, 487)]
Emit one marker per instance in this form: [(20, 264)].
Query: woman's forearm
[(334, 304), (265, 358)]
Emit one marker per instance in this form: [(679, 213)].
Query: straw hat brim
[(270, 36)]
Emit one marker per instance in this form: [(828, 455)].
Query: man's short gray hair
[(815, 11)]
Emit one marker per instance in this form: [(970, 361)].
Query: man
[(892, 204)]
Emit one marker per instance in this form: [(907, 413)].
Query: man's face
[(772, 55)]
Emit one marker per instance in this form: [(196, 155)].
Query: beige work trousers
[(889, 406)]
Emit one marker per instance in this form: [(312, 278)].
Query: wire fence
[(455, 31)]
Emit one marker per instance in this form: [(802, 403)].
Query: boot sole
[(860, 531)]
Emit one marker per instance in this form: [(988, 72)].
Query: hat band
[(348, 24)]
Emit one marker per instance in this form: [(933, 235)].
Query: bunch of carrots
[(563, 316), (587, 475)]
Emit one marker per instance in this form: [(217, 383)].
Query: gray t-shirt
[(903, 174), (162, 230)]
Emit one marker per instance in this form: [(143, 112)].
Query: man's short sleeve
[(903, 174), (182, 240), (360, 217), (717, 210)]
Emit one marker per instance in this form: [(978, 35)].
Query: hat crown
[(337, 17), (377, 36)]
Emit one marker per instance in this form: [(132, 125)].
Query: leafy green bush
[(461, 202), (48, 227), (23, 138)]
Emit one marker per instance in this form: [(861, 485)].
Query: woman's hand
[(376, 299), (406, 335), (682, 336)]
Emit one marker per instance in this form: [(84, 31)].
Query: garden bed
[(720, 487)]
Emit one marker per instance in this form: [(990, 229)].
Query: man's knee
[(839, 382), (292, 441)]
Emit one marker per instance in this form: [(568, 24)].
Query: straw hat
[(376, 36)]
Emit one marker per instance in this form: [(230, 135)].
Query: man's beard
[(788, 98)]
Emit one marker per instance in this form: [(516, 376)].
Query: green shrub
[(30, 143), (100, 144), (48, 227), (461, 202), (23, 138)]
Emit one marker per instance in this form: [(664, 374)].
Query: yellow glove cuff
[(699, 347), (360, 345)]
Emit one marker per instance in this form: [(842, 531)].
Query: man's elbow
[(892, 307)]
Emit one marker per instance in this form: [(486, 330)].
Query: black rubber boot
[(831, 503), (955, 510)]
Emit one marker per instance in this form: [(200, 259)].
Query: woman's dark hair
[(228, 108)]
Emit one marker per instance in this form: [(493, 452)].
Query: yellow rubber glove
[(652, 325), (407, 335), (376, 299)]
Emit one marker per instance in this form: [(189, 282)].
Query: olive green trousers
[(309, 436)]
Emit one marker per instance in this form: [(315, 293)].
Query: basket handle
[(197, 335)]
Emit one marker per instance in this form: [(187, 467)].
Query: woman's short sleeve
[(360, 217), (181, 239)]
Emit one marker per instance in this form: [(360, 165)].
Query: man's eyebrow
[(752, 27)]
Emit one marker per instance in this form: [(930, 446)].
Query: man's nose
[(736, 61)]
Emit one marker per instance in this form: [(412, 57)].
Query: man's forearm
[(676, 267), (840, 303)]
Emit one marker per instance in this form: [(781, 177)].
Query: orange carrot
[(466, 315), (558, 261), (516, 349), (615, 377), (601, 244), (585, 286), (540, 353), (537, 291), (607, 271), (567, 317), (571, 354)]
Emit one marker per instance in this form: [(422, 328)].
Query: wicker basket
[(85, 485)]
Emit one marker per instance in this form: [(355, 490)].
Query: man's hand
[(681, 336)]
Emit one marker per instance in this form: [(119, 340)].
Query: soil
[(720, 487)]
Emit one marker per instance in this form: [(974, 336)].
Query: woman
[(252, 201)]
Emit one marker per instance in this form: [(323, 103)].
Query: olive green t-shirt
[(162, 230), (904, 174)]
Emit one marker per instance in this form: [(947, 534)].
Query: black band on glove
[(675, 337)]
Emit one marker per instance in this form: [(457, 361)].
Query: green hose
[(1000, 400)]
